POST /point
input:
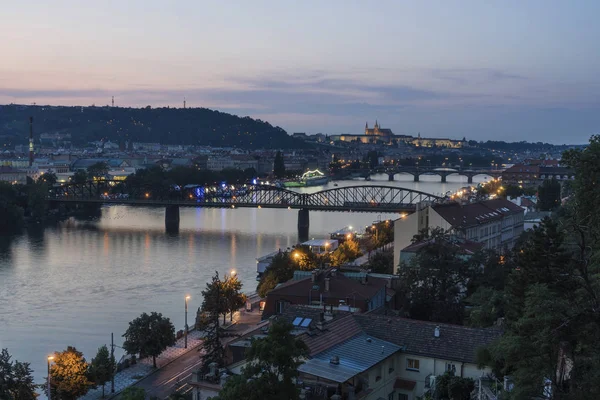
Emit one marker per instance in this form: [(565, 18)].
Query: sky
[(495, 70)]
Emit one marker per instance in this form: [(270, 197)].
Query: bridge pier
[(416, 178), (391, 177), (470, 179), (444, 178), (303, 225), (172, 218)]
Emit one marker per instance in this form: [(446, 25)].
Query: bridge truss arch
[(369, 198)]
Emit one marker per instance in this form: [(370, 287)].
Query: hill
[(189, 126)]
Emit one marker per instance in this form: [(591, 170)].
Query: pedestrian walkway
[(143, 367), (242, 322)]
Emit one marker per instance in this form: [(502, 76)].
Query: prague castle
[(385, 136)]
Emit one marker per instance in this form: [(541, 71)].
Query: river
[(76, 282)]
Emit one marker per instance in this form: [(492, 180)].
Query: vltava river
[(75, 283)]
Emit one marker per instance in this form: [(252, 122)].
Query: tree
[(279, 166), (97, 170), (80, 176), (434, 283), (513, 191), (48, 178), (346, 252), (36, 200), (10, 213), (69, 375), (549, 195), (213, 305), (16, 381), (149, 335), (271, 369), (234, 298), (133, 393), (382, 262), (102, 367)]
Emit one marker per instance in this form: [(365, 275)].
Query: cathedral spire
[(376, 124), (367, 125)]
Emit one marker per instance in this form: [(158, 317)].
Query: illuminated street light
[(50, 358), (186, 324)]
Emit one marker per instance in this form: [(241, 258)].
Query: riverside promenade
[(176, 364)]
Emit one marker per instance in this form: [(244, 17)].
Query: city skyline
[(515, 71)]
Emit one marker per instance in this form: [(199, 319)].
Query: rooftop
[(352, 357), (463, 216)]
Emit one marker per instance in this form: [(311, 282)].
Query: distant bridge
[(361, 198), (417, 171)]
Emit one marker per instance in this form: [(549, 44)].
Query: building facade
[(496, 224)]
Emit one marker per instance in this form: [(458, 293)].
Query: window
[(402, 396), (391, 396), (412, 364), (392, 366), (450, 367)]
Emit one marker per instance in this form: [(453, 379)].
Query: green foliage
[(382, 262), (549, 195), (450, 387), (271, 369), (156, 125), (586, 190), (434, 284), (234, 298), (279, 166), (69, 375), (513, 191), (36, 201), (133, 393), (102, 367), (97, 170), (16, 381), (214, 304), (149, 335), (348, 251), (49, 178), (80, 176), (11, 215), (487, 307), (283, 266)]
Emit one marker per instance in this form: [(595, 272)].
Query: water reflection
[(76, 282)]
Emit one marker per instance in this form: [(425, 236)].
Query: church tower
[(376, 129), (367, 128)]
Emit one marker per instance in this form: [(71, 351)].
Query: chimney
[(436, 332), (327, 284), (321, 322), (30, 141), (335, 360)]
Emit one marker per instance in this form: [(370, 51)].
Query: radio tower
[(30, 141), (113, 101)]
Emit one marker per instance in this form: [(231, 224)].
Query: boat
[(309, 178)]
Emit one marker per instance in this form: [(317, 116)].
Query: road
[(178, 373)]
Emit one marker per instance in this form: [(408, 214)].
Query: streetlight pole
[(186, 324), (50, 358)]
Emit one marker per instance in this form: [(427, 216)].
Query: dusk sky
[(503, 70)]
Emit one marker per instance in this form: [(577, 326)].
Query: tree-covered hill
[(190, 126)]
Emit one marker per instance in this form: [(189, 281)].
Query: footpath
[(136, 374)]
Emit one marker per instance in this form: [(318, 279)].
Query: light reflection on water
[(75, 283)]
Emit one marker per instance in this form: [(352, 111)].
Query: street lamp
[(186, 324), (50, 358)]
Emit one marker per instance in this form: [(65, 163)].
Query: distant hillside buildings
[(385, 136)]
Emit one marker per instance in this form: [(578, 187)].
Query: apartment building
[(496, 224)]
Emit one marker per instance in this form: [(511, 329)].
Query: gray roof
[(356, 355)]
